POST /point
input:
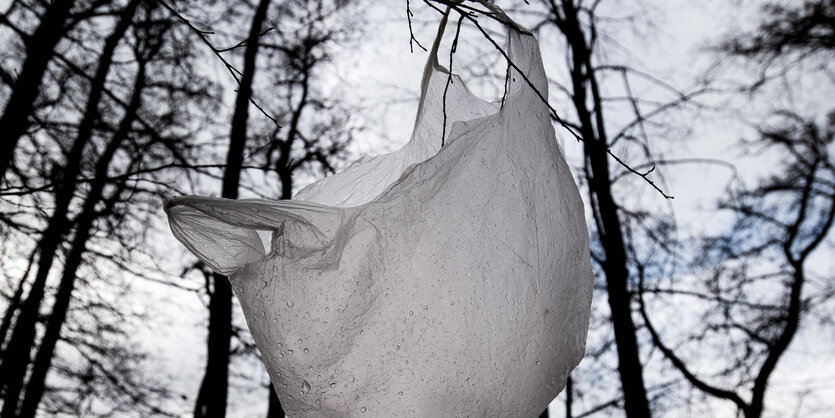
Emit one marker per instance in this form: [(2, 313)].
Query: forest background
[(700, 135)]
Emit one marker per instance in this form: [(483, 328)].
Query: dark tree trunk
[(39, 51), (606, 212), (16, 357), (617, 276), (286, 177), (14, 303), (569, 398), (43, 359), (275, 410), (211, 401)]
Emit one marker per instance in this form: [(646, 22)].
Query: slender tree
[(586, 97), (212, 398)]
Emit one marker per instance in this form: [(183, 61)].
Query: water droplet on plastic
[(289, 303), (363, 409), (333, 385), (290, 352), (411, 313), (305, 350), (351, 378)]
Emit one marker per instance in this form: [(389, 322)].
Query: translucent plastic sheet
[(432, 281)]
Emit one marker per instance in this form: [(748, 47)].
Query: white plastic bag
[(426, 282)]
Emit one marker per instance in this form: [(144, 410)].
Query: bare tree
[(779, 225), (118, 145), (756, 275), (577, 24), (317, 130), (16, 355), (211, 400), (149, 44)]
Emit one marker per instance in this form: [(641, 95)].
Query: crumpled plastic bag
[(432, 281)]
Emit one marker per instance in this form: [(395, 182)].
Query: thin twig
[(244, 42), (639, 174), (449, 76), (412, 38)]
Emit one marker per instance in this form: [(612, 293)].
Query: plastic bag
[(426, 282)]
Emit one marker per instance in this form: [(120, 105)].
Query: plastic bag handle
[(223, 232), (522, 50)]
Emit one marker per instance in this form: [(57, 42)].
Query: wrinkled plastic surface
[(426, 282)]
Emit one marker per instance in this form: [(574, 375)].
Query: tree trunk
[(16, 358), (14, 303), (211, 400), (37, 380), (39, 51), (606, 211), (275, 410), (617, 276), (569, 398)]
